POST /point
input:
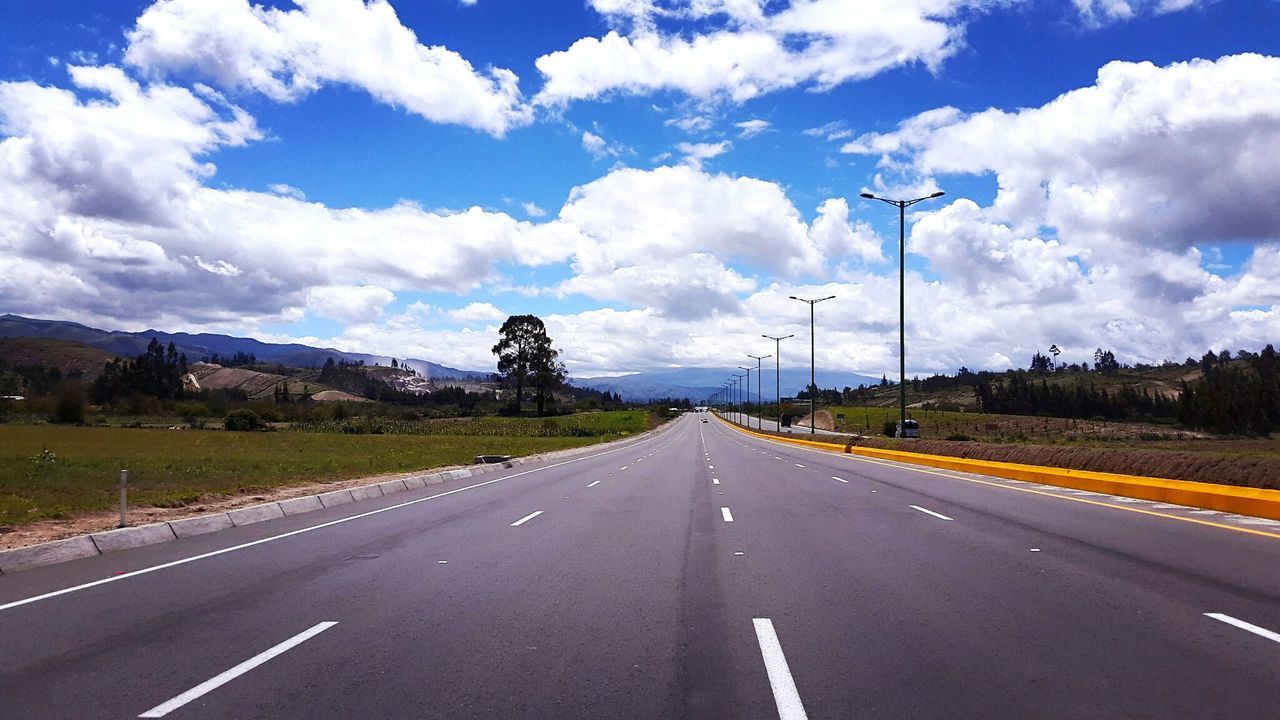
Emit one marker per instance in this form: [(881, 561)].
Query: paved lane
[(698, 573)]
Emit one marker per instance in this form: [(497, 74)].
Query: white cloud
[(696, 153), (595, 145), (287, 54), (691, 123), (287, 191), (478, 312), (349, 304), (837, 239), (1167, 157), (816, 43), (1098, 12), (751, 128), (532, 210)]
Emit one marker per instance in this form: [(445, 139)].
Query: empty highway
[(695, 573)]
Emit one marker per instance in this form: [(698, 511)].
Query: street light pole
[(746, 398), (777, 372), (813, 385), (902, 206), (759, 389)]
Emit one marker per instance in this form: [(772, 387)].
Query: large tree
[(527, 358)]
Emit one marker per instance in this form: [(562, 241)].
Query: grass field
[(49, 471)]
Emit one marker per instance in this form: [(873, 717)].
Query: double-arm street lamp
[(777, 372), (746, 398), (902, 206), (813, 386), (759, 390)]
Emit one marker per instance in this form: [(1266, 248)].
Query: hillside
[(203, 345), (73, 359)]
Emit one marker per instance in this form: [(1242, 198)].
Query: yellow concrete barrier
[(1258, 502)]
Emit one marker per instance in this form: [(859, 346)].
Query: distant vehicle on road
[(704, 419), (908, 429)]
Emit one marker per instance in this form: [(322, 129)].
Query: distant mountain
[(698, 384), (126, 344)]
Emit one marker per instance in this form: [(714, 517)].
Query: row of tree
[(157, 372), (1241, 397)]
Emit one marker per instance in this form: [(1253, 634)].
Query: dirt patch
[(823, 417), (49, 530)]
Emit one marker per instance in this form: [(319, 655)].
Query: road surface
[(696, 573)]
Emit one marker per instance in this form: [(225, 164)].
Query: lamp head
[(868, 196), (937, 195)]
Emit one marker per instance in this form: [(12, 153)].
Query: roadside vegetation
[(51, 471)]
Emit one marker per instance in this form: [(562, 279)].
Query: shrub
[(890, 428), (959, 436), (70, 408), (244, 420)]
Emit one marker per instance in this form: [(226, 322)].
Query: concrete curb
[(83, 546), (1257, 502)]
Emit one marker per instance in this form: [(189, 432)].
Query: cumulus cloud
[(481, 312), (1167, 156), (349, 304), (1105, 198), (287, 54), (165, 244), (748, 51), (838, 239)]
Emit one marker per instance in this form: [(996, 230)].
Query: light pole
[(902, 206), (737, 383), (813, 385), (746, 398), (759, 389), (777, 372)]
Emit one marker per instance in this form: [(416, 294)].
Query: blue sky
[(653, 177)]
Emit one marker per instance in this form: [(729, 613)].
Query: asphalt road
[(697, 573)]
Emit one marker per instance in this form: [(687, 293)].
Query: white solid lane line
[(833, 477), (1260, 631), (785, 695), (215, 682), (724, 513), (526, 518), (594, 484), (929, 512)]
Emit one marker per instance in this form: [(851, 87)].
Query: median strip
[(1259, 502)]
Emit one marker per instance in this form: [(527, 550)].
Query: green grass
[(167, 468), (597, 424)]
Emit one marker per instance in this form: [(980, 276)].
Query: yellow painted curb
[(1257, 502)]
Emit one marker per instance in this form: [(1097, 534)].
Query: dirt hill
[(72, 358)]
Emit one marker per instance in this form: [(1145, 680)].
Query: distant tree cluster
[(237, 360), (157, 372), (1241, 397), (1019, 395), (31, 380)]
